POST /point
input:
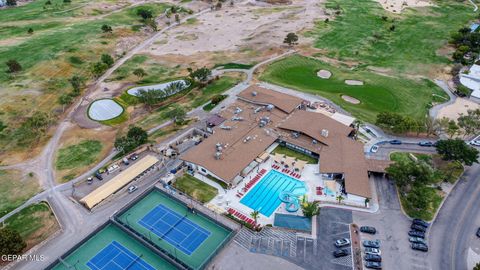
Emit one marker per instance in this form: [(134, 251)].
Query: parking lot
[(333, 224), (392, 231)]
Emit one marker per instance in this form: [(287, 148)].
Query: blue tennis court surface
[(117, 257), (175, 228)]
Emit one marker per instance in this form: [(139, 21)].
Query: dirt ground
[(396, 6), (461, 105), (106, 135)]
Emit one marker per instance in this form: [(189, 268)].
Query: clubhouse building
[(245, 134)]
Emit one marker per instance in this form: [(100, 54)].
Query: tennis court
[(175, 228), (169, 224), (117, 257)]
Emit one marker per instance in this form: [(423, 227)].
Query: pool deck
[(310, 176)]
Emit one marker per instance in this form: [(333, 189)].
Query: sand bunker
[(396, 6), (454, 110), (353, 82), (350, 99), (324, 74)]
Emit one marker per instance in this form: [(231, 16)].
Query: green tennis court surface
[(140, 217), (112, 249)]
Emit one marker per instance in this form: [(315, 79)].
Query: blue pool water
[(264, 197)]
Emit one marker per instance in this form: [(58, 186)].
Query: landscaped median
[(420, 179)]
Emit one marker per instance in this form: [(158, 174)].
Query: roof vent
[(237, 110), (237, 118), (258, 109), (314, 141), (225, 127), (248, 138), (218, 155), (295, 134), (270, 107), (254, 93), (325, 133)]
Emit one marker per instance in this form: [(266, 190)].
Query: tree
[(107, 29), (310, 209), (366, 201), (340, 198), (135, 137), (77, 84), (177, 114), (67, 1), (150, 97), (139, 72), (405, 173), (477, 266), (11, 242), (217, 99), (30, 31), (145, 13), (218, 6), (456, 149), (255, 214), (64, 100), (177, 18), (13, 66), (107, 59), (291, 39), (470, 123), (463, 91), (98, 69), (11, 3), (200, 74)]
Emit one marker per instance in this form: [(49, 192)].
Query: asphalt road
[(453, 231)]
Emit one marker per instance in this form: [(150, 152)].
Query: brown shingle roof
[(263, 96), (312, 124), (376, 165)]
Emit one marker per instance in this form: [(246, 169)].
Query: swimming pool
[(264, 197)]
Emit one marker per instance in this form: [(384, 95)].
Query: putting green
[(377, 94)]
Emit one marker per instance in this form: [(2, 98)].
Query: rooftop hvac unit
[(258, 109), (248, 138), (254, 93), (270, 107), (219, 147), (314, 141), (226, 127), (237, 110), (295, 134), (325, 133), (237, 118), (218, 155)]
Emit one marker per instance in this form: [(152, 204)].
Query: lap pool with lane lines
[(265, 196)]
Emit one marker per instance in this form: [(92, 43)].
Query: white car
[(374, 251), (374, 149), (132, 189), (475, 142), (342, 242)]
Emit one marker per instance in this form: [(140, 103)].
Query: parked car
[(418, 227), (341, 253), (132, 189), (395, 142), (373, 265), (475, 142), (374, 149), (133, 157), (374, 251), (417, 240), (98, 175), (418, 246), (416, 234), (371, 243), (373, 258), (342, 242), (421, 222), (90, 180), (368, 229), (478, 232), (125, 161), (426, 144)]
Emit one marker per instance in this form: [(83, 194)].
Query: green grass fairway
[(378, 94), (78, 155), (217, 87), (196, 188), (360, 33)]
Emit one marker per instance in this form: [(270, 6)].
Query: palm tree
[(340, 198), (310, 209), (255, 215)]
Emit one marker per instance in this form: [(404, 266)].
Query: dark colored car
[(417, 240), (418, 228), (395, 142), (340, 253), (426, 144), (478, 232), (133, 157), (421, 222), (373, 265), (416, 234), (373, 258), (418, 246), (368, 229), (371, 243), (98, 176)]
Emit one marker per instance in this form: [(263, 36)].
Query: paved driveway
[(392, 228)]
